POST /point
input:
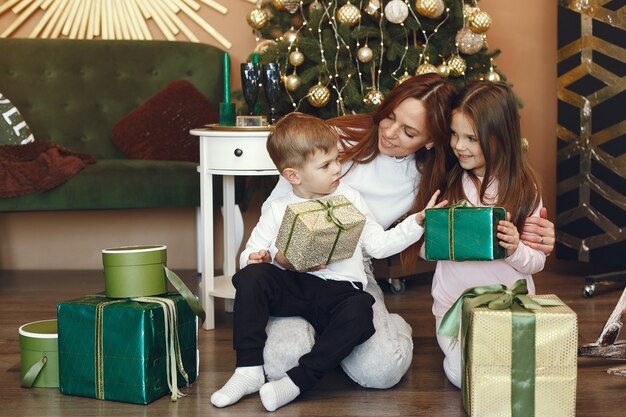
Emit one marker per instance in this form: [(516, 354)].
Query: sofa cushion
[(159, 128), (37, 166), (13, 129)]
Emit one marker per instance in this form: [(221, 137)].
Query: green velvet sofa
[(72, 92)]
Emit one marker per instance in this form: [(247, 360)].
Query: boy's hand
[(431, 204), (508, 235), (259, 257), (282, 261), (538, 232)]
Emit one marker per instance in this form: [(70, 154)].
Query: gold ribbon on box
[(452, 208), (499, 297), (173, 357), (329, 207)]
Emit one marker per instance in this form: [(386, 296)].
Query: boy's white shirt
[(374, 242)]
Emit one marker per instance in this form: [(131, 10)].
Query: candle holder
[(271, 84), (250, 89)]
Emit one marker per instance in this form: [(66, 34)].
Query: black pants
[(339, 313)]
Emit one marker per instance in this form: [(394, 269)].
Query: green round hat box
[(40, 339), (134, 271)]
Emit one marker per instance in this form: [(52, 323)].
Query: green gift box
[(461, 233), (121, 349), (320, 231)]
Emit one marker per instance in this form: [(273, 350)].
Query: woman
[(396, 158)]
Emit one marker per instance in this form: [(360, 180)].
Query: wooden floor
[(424, 391)]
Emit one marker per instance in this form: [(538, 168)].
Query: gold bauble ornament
[(278, 4), (426, 68), (430, 8), (468, 11), (372, 8), (457, 66), (403, 78), (492, 76), (257, 18), (318, 95), (291, 5), (296, 58), (396, 11), (443, 70), (292, 82), (290, 36), (480, 22), (469, 42), (349, 14), (264, 45), (374, 96), (365, 54), (316, 6)]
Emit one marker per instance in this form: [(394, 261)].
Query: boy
[(331, 298)]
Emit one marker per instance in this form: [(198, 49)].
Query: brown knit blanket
[(37, 166)]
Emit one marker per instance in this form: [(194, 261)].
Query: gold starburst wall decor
[(112, 19)]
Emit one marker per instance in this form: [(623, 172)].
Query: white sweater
[(374, 241)]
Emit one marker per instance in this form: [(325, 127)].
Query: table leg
[(230, 249), (207, 281)]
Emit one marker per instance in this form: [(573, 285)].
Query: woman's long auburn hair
[(492, 110), (359, 137)]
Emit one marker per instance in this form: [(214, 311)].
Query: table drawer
[(237, 153)]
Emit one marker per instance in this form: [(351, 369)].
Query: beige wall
[(524, 31)]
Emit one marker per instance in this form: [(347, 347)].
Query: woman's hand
[(259, 257), (431, 204), (538, 232), (508, 235)]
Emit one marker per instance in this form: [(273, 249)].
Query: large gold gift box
[(320, 231), (505, 372)]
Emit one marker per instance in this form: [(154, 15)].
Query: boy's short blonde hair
[(296, 137)]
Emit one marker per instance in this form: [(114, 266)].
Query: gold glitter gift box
[(320, 231), (506, 374)]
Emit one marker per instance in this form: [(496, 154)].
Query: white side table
[(227, 151)]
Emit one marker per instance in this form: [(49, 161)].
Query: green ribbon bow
[(329, 208), (499, 297)]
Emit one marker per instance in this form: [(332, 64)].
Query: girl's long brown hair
[(492, 109), (359, 136)]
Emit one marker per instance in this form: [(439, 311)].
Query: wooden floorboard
[(424, 391)]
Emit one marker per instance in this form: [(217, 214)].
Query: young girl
[(492, 170)]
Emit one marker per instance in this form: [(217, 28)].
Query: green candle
[(226, 78)]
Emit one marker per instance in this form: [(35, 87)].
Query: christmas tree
[(344, 56)]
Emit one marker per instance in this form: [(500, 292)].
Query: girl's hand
[(508, 235), (431, 204), (538, 232), (259, 257)]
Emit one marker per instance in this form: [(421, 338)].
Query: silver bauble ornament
[(426, 68), (374, 97), (492, 76), (257, 18), (296, 58), (396, 11), (318, 95), (457, 65), (349, 14), (291, 5), (365, 54), (469, 42), (292, 82), (430, 8)]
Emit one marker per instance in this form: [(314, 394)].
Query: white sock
[(275, 394), (246, 380)]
